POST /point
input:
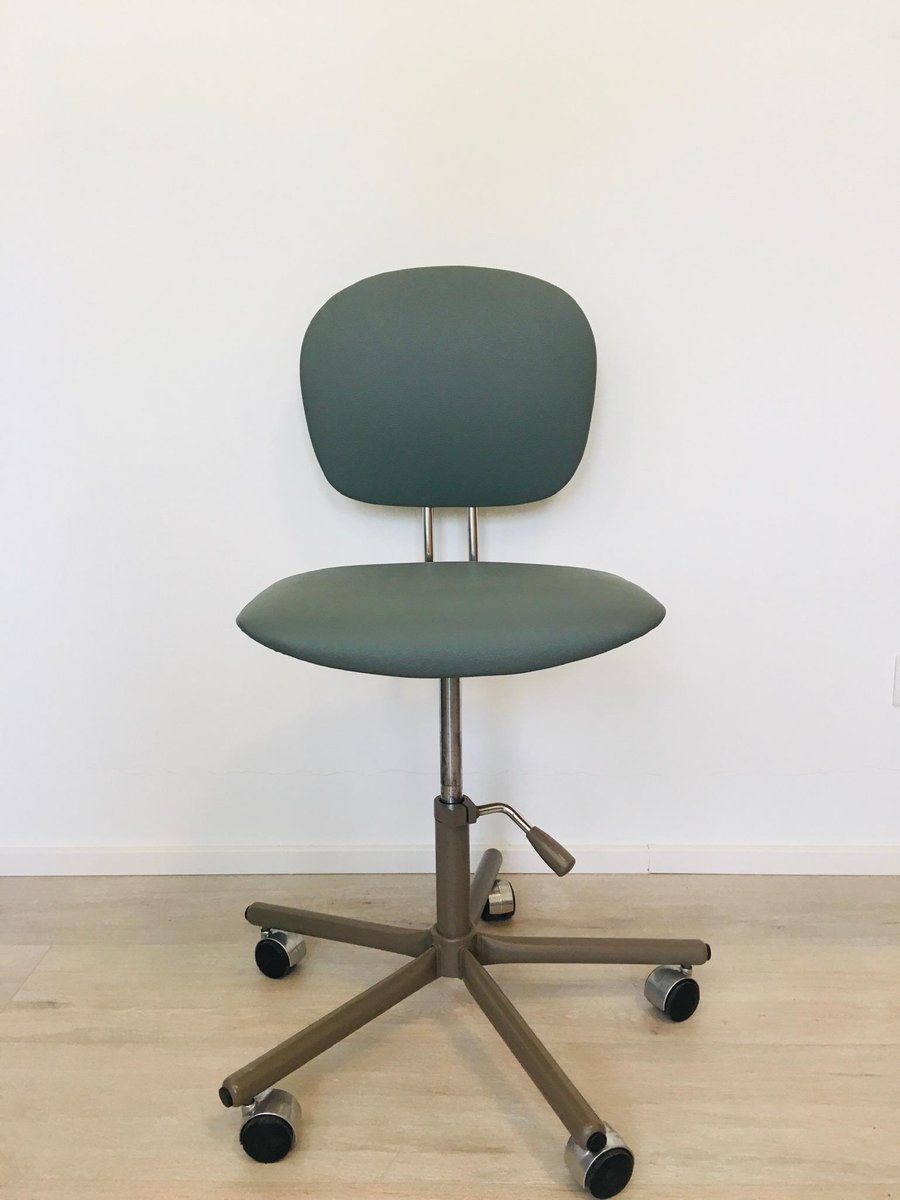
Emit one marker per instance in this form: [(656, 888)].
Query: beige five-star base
[(120, 998)]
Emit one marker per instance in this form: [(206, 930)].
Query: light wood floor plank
[(16, 964)]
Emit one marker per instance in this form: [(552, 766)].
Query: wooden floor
[(124, 1001)]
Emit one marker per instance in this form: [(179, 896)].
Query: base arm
[(545, 1072), (497, 948), (482, 881), (394, 938), (241, 1086)]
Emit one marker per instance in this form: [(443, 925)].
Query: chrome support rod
[(428, 533), (451, 743), (473, 535), (451, 830)]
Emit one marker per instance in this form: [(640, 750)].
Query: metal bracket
[(456, 812)]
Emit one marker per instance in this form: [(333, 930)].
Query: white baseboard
[(331, 860)]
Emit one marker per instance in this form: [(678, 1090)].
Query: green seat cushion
[(446, 619)]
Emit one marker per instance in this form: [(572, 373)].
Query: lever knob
[(556, 857)]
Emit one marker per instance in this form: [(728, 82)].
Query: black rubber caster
[(268, 1131), (501, 902), (604, 1170), (674, 991), (277, 952)]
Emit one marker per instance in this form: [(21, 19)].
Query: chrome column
[(473, 535), (451, 743), (451, 824)]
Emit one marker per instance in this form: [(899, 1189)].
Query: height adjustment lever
[(556, 857)]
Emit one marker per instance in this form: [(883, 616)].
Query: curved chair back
[(449, 387)]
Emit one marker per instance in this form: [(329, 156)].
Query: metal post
[(451, 743), (473, 535), (428, 531), (451, 825)]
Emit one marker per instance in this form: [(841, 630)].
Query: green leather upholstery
[(446, 619), (449, 387)]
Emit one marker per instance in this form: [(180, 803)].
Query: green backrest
[(449, 387)]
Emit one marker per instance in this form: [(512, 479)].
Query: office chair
[(456, 387)]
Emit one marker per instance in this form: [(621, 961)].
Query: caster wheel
[(673, 991), (605, 1169), (268, 1131), (277, 952), (501, 902)]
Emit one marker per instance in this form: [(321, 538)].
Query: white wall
[(715, 181)]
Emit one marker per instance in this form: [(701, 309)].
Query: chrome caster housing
[(603, 1170), (501, 902), (277, 952), (673, 991), (269, 1127)]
